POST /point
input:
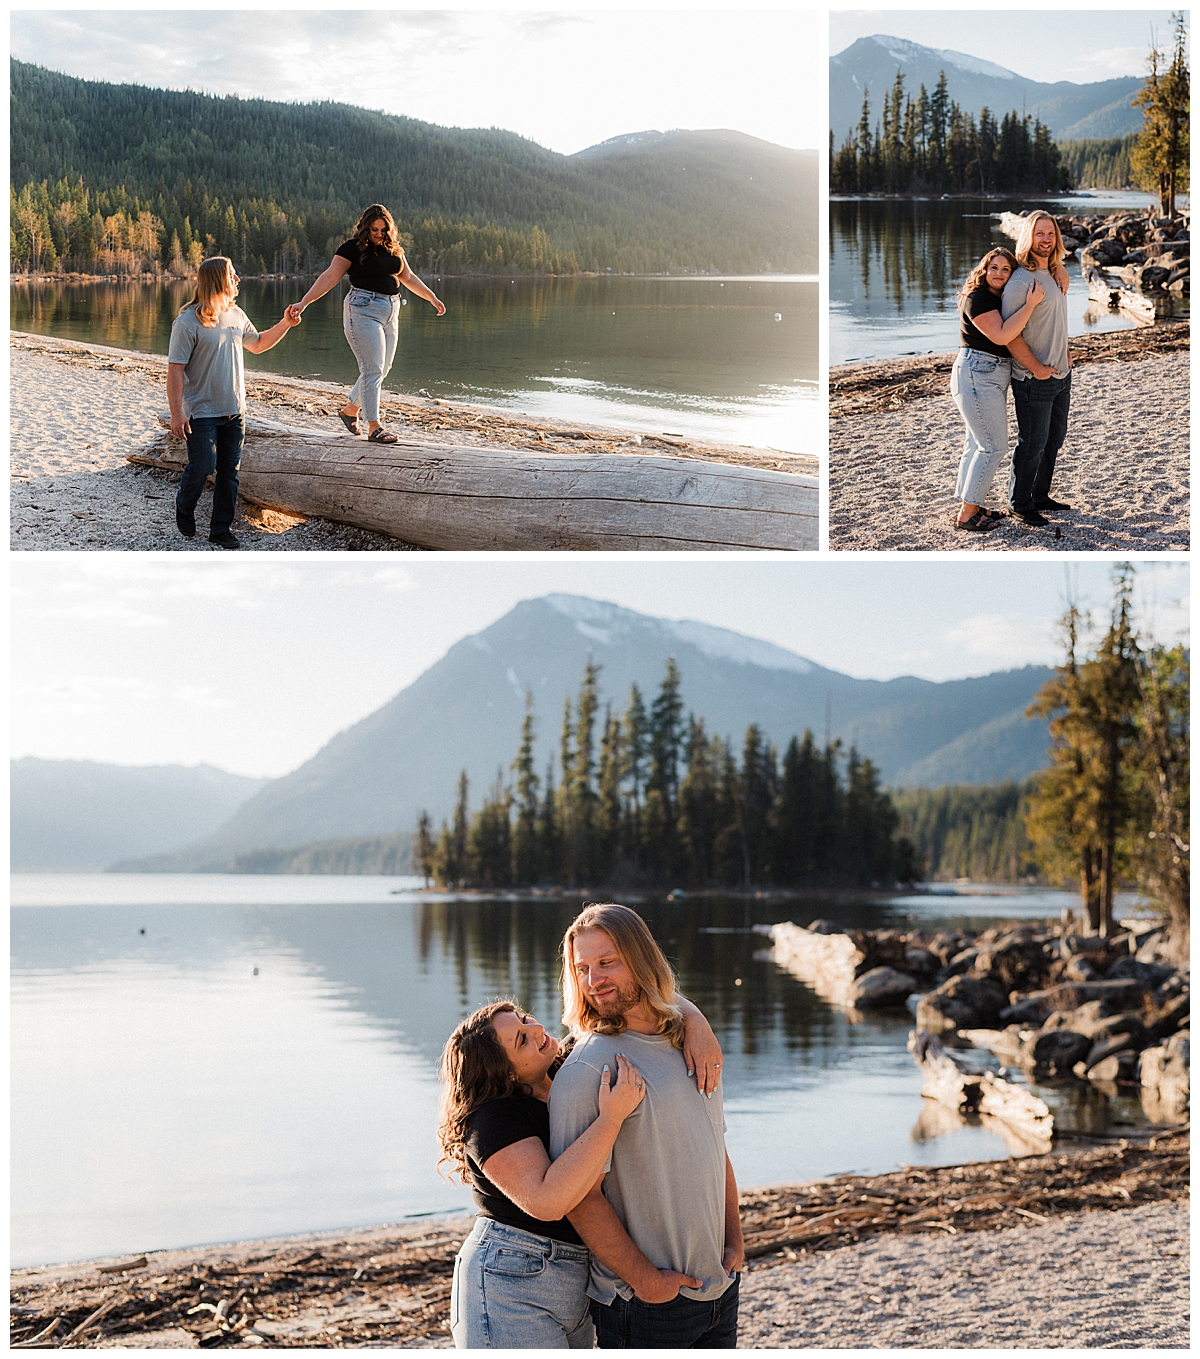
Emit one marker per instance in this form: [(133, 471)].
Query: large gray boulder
[(963, 1002), (881, 987)]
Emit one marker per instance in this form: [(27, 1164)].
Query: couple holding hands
[(1013, 331), (206, 386)]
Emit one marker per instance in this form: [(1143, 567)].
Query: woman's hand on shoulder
[(1036, 293), (1061, 277), (620, 1100)]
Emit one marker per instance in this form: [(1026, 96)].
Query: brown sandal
[(980, 522), (382, 436)]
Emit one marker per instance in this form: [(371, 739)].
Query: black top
[(373, 268), (492, 1127), (975, 304)]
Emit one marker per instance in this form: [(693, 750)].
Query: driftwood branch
[(464, 498)]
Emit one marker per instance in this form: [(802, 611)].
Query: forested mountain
[(466, 712), (1100, 108), (1100, 162), (277, 186)]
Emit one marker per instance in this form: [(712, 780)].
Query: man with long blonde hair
[(667, 1204), (206, 391), (1041, 372)]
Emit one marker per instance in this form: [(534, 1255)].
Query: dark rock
[(1057, 1052), (1153, 276), (961, 1002), (921, 962), (1108, 251), (1149, 975), (1017, 963), (1036, 1007), (962, 962), (881, 987), (1119, 1042)]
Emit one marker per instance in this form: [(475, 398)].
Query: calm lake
[(895, 266), (212, 1058), (733, 359)]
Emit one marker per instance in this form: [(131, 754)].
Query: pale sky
[(565, 78), (1079, 45), (252, 665)]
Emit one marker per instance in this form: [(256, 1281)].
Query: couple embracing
[(1013, 314), (607, 1204)]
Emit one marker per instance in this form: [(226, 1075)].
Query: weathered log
[(828, 962), (1117, 297), (964, 1082), (468, 498)]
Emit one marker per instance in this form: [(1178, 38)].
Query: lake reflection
[(896, 265), (215, 1063), (732, 360)]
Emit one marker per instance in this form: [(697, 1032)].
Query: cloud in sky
[(566, 80)]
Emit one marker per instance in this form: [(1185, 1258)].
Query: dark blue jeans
[(1042, 408), (682, 1324), (215, 444)]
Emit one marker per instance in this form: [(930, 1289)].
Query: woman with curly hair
[(375, 261), (521, 1277), (981, 377)]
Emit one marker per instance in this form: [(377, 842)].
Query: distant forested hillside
[(1100, 162), (965, 832), (124, 178)]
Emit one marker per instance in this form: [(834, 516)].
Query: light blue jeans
[(372, 325), (516, 1291), (979, 383)]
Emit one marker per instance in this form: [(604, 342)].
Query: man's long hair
[(1024, 247), (475, 1069), (978, 276), (641, 955), (214, 289), (391, 236)]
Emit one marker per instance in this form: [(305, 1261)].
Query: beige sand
[(76, 410), (1124, 470)]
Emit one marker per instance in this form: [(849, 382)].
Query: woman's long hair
[(214, 289), (1024, 246), (641, 955), (978, 275), (391, 236), (475, 1069)]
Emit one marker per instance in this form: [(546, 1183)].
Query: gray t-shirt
[(214, 382), (666, 1174), (1046, 330)]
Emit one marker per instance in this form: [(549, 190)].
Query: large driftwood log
[(1116, 296), (468, 498), (966, 1083), (828, 962)]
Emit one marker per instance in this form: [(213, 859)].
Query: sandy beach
[(896, 438), (78, 410), (956, 1261)]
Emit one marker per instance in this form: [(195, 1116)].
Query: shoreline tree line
[(928, 145), (647, 797)]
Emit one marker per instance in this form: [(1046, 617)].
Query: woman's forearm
[(319, 288), (1016, 323), (569, 1178)]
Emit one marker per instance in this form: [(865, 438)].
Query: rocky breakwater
[(1037, 997), (1151, 255)]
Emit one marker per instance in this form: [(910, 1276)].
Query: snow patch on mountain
[(602, 622), (722, 645), (901, 50)]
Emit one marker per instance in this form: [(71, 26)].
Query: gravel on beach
[(990, 1254), (77, 410), (1124, 470)]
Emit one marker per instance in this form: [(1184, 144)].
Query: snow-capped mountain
[(465, 712), (1100, 109)]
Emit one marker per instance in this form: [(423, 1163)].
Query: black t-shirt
[(975, 304), (492, 1127), (373, 268)]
